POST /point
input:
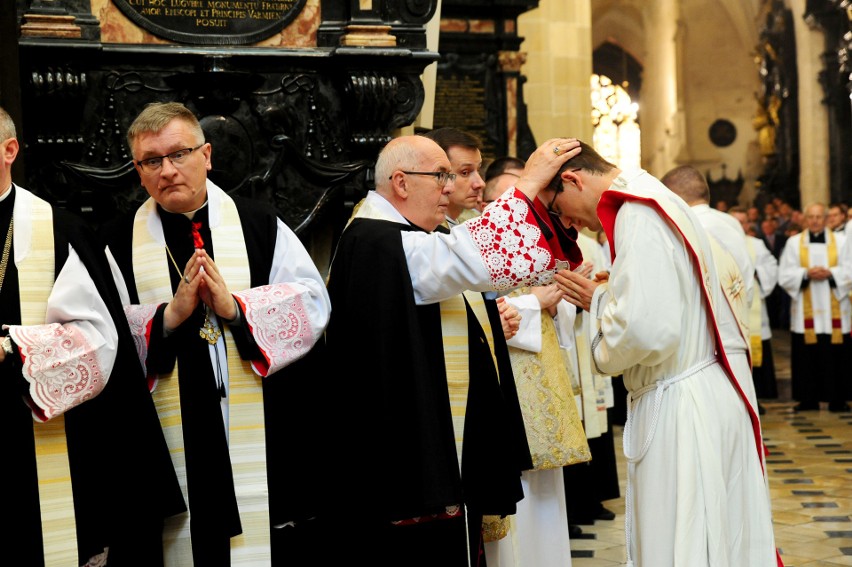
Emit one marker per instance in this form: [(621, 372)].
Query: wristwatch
[(6, 343)]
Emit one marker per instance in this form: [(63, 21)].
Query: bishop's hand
[(213, 290), (186, 297)]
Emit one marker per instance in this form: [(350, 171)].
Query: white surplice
[(538, 532), (729, 234), (696, 488), (766, 268), (69, 357)]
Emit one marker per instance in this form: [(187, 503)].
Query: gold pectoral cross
[(207, 331)]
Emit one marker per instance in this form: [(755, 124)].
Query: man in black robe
[(404, 494), (75, 401), (222, 298)]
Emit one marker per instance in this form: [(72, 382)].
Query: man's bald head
[(496, 186), (402, 153), (688, 183), (419, 196)]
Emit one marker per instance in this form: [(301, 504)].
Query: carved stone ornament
[(512, 61), (45, 25), (366, 35), (723, 133)]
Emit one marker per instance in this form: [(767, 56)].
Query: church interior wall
[(698, 62), (813, 116), (720, 80), (559, 63)]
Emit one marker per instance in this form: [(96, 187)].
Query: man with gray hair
[(420, 376), (815, 269), (86, 462)]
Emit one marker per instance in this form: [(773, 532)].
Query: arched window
[(614, 115)]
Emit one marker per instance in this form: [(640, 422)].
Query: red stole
[(608, 207), (562, 241)]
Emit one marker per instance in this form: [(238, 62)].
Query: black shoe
[(605, 514), (574, 531), (805, 407), (838, 408), (761, 410)]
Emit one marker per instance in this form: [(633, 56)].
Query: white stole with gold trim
[(244, 413), (36, 272)]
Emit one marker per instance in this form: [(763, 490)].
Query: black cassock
[(392, 417), (291, 434), (121, 472)]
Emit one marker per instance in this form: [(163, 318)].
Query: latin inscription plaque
[(212, 22), (461, 102)]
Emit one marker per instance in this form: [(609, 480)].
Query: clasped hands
[(819, 273), (201, 281), (576, 286)]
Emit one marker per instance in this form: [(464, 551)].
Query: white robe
[(728, 233), (697, 492), (69, 356), (790, 275), (766, 267), (538, 532)]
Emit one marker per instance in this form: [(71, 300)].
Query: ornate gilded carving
[(511, 61)]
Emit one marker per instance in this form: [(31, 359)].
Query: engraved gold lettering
[(210, 23)]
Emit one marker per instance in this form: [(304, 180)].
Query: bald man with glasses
[(420, 375)]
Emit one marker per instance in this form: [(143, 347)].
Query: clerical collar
[(816, 238), (191, 214)]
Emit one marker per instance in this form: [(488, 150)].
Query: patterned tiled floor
[(809, 468)]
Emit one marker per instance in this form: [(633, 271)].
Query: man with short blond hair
[(224, 302)]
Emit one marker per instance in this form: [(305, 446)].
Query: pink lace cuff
[(280, 324)]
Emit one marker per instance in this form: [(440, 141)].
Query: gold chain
[(7, 246), (180, 273)]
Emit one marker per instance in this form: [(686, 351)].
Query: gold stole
[(554, 430), (35, 277), (457, 357), (733, 287), (457, 364), (246, 430), (807, 298), (754, 314)]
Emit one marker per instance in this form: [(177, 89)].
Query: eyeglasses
[(443, 177), (552, 209), (153, 164)]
